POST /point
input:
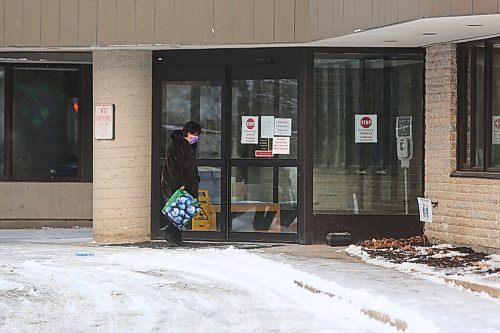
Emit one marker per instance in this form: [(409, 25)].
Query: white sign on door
[(104, 122), (365, 128), (267, 127), (283, 126), (249, 130), (281, 145)]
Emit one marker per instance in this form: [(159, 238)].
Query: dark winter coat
[(180, 167)]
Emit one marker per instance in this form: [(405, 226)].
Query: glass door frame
[(263, 72), (177, 74), (226, 65)]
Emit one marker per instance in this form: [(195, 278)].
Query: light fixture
[(390, 41), (474, 25), (429, 34)]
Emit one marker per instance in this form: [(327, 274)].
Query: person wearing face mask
[(180, 170)]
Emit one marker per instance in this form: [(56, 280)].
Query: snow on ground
[(436, 274), (55, 280)]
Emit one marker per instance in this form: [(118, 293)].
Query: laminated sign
[(249, 130), (425, 209), (365, 128)]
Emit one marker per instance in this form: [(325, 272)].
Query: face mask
[(193, 140)]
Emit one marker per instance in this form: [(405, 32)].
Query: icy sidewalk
[(45, 286)]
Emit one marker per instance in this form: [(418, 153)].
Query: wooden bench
[(256, 207)]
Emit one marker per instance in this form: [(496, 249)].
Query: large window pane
[(2, 121), (45, 131), (366, 178), (193, 100), (259, 206), (256, 98), (495, 150), (476, 126)]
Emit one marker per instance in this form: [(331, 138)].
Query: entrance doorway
[(248, 149)]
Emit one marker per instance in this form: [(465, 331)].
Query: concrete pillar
[(122, 167)]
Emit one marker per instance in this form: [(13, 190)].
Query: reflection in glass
[(365, 178), (45, 135), (479, 108), (495, 109), (2, 121), (257, 205), (269, 97), (193, 100)]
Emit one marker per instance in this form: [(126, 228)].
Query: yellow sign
[(205, 219)]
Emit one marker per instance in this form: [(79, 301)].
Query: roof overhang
[(420, 33)]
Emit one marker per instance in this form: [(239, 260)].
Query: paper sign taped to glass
[(425, 209), (181, 208)]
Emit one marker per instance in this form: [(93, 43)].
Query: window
[(2, 119), (354, 175), (45, 117), (479, 109)]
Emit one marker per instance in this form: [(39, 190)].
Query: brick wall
[(468, 209), (122, 167)]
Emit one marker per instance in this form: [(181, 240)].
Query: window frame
[(464, 137), (85, 143)]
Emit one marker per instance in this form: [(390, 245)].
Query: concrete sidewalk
[(338, 253)]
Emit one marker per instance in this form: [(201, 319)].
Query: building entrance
[(247, 152)]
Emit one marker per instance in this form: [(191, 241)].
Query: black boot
[(171, 234)]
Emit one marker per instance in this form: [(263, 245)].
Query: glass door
[(197, 94), (263, 156), (247, 151)]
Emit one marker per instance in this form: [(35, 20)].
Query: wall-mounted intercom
[(404, 140)]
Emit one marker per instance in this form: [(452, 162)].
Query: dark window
[(363, 175), (479, 109), (45, 117), (2, 118)]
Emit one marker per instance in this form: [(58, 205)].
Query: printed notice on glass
[(283, 126), (267, 127), (249, 130), (281, 145), (104, 122), (365, 128), (495, 130)]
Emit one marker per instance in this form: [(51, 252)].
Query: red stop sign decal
[(497, 123), (250, 123), (366, 122)]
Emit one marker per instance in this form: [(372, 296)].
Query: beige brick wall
[(122, 167), (468, 209)]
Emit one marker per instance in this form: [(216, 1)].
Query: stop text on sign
[(365, 128), (250, 123), (366, 122)]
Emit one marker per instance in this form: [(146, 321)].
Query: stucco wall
[(468, 210), (27, 204), (122, 167)]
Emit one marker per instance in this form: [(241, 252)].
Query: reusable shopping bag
[(180, 208)]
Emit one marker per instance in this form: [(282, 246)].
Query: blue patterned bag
[(180, 208)]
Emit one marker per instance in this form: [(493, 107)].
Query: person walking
[(180, 170)]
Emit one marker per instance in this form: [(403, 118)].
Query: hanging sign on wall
[(104, 125)]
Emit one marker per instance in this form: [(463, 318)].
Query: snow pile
[(439, 263), (124, 289)]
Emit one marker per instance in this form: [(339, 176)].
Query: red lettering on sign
[(365, 122), (250, 123)]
